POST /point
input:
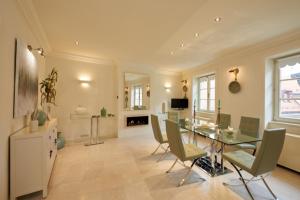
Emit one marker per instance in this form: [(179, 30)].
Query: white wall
[(70, 94), (107, 83), (12, 25), (252, 62), (158, 94)]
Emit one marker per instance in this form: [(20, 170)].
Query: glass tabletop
[(228, 137)]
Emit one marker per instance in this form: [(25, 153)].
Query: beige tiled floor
[(123, 169)]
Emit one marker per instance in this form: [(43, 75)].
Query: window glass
[(288, 89), (205, 93)]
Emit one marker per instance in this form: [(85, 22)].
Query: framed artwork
[(26, 80)]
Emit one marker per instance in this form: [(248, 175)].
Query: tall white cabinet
[(32, 157)]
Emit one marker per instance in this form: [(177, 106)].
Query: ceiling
[(149, 33)]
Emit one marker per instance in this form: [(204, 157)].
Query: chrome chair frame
[(245, 183), (265, 161), (187, 173)]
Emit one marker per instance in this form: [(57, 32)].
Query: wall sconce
[(234, 86), (126, 91), (39, 50), (85, 81), (168, 87), (85, 84), (148, 90), (235, 71), (184, 87)]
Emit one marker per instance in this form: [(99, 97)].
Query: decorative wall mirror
[(136, 91)]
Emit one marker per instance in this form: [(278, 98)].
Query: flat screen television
[(179, 103)]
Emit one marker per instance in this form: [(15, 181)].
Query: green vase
[(60, 140), (41, 117), (103, 112)]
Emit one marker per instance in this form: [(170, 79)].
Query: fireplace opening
[(137, 120)]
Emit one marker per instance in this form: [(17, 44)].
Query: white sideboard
[(32, 157)]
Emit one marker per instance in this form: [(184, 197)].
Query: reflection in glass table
[(218, 137)]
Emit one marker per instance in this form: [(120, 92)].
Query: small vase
[(103, 112), (60, 140), (34, 125), (42, 117)]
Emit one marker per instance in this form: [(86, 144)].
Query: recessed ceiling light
[(196, 34), (218, 19), (77, 43)]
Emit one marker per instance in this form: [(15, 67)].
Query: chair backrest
[(181, 122), (269, 152), (249, 126), (156, 128), (173, 116), (225, 120), (174, 138)]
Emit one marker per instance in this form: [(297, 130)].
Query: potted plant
[(48, 91)]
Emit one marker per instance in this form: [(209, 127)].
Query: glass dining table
[(218, 140)]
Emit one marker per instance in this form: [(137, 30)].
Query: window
[(287, 89), (205, 93), (137, 96)]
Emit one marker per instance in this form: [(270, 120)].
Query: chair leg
[(254, 151), (183, 165), (246, 181), (188, 173), (169, 170), (275, 197), (164, 154), (242, 178), (155, 150)]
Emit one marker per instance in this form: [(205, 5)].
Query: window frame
[(140, 99), (209, 77), (277, 81)]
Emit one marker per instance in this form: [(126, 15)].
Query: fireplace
[(137, 120)]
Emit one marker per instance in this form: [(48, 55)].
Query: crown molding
[(80, 58), (35, 25), (256, 48), (264, 45), (143, 68)]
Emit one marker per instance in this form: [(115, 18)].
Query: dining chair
[(183, 152), (173, 116), (224, 121), (265, 161), (249, 126), (159, 136)]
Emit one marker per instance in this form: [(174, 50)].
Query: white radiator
[(290, 155)]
